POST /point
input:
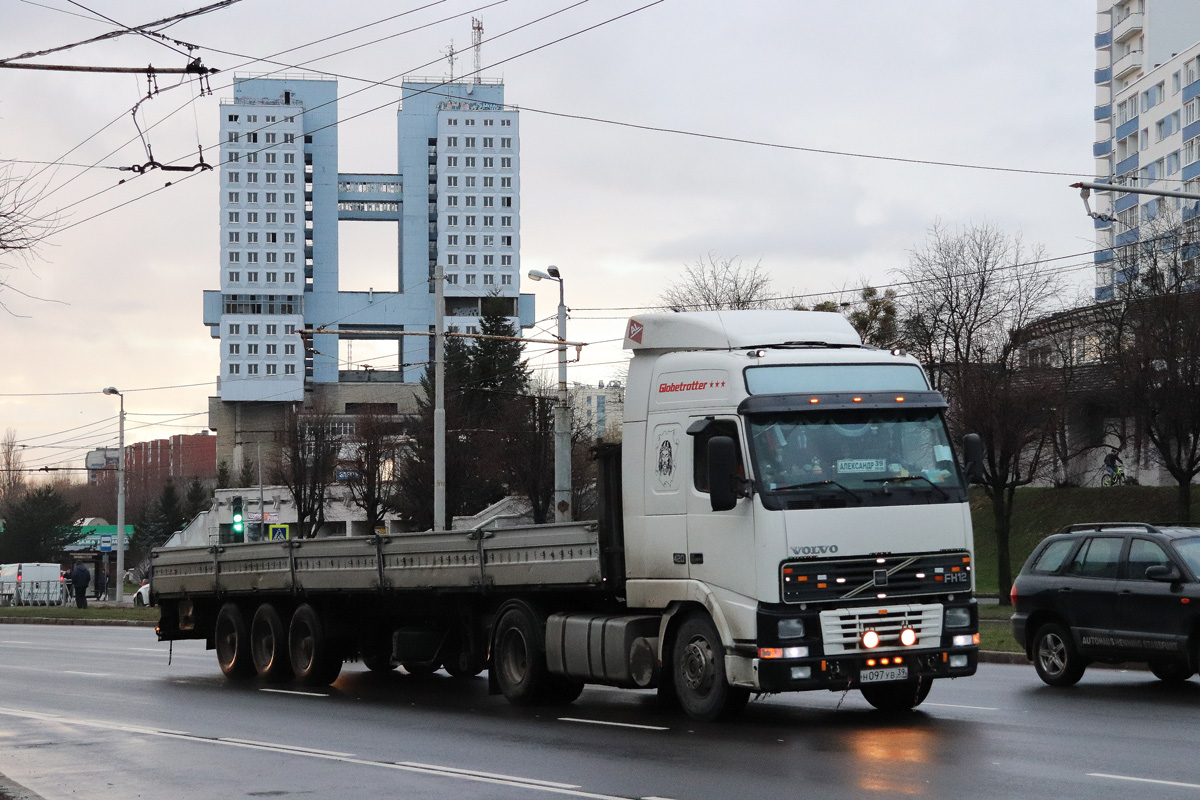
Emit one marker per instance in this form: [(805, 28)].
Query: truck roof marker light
[(1184, 600), (881, 595), (920, 574), (881, 561), (856, 399), (841, 580), (870, 662), (900, 399), (813, 400), (870, 640), (975, 638), (898, 660), (899, 351), (908, 637)]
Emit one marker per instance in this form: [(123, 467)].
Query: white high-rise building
[(454, 199), (1147, 119)]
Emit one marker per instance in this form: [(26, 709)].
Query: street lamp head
[(111, 390), (553, 270), (538, 275)]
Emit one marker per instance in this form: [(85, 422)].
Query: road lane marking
[(286, 747), (534, 784), (88, 674), (614, 724), (290, 691), (1144, 780), (953, 705), (455, 771)]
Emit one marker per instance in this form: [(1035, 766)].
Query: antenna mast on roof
[(477, 43), (450, 54)]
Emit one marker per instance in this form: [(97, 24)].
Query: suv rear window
[(1053, 556), (1098, 558)]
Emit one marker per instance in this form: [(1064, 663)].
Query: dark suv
[(1112, 592)]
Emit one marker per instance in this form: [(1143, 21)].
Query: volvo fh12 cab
[(785, 512)]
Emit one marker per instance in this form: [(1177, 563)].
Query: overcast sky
[(621, 211)]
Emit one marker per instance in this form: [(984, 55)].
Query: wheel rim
[(227, 642), (263, 646), (1052, 654), (698, 672), (515, 663)]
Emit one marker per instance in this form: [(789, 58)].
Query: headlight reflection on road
[(892, 759)]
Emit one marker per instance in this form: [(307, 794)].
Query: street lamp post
[(120, 499), (562, 413)]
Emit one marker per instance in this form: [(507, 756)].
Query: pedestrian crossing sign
[(278, 533)]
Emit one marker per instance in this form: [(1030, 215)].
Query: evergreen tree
[(38, 526), (248, 476), (198, 499), (223, 475)]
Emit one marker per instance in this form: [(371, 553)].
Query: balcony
[(1102, 112), (1103, 40), (1100, 149), (1130, 25), (1128, 63)]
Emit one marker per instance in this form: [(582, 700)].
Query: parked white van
[(32, 584)]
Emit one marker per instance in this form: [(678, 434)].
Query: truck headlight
[(957, 617), (791, 629)]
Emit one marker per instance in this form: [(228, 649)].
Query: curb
[(127, 623)]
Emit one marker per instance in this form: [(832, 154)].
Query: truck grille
[(842, 629), (875, 578)]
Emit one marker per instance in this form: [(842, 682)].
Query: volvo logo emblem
[(881, 577)]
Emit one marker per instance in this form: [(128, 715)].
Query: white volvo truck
[(785, 513)]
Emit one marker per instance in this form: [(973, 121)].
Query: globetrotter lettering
[(689, 387)]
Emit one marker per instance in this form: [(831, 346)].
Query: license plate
[(883, 675)]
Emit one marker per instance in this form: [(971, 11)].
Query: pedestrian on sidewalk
[(101, 584), (80, 578)]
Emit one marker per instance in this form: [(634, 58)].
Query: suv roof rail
[(1099, 526)]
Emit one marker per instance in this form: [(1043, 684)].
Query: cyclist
[(1112, 466)]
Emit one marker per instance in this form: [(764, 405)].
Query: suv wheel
[(1170, 671), (1057, 661)]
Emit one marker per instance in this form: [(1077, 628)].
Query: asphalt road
[(99, 713)]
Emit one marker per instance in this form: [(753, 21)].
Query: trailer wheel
[(519, 657), (269, 644), (233, 643), (316, 655), (698, 672), (463, 664), (379, 662), (897, 696), (419, 670)]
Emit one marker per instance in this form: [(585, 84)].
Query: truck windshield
[(869, 456)]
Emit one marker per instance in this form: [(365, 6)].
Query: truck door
[(720, 543), (665, 536)]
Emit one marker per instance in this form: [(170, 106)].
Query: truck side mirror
[(722, 473), (973, 458)]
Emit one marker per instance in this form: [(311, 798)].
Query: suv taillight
[(1012, 594)]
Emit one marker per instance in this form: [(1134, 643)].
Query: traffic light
[(239, 520)]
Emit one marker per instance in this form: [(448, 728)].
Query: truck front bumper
[(851, 670)]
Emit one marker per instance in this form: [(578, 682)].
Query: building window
[(470, 280), (289, 218), (252, 138), (252, 157), (488, 201), (270, 138), (252, 257), (234, 177), (470, 260), (506, 222), (506, 143), (270, 369), (470, 240), (506, 261), (252, 369), (271, 176), (251, 177), (470, 181), (234, 236), (288, 330), (469, 122), (488, 241), (470, 220), (506, 280), (451, 181), (506, 241), (272, 237), (251, 197), (451, 161), (489, 280), (289, 198), (235, 329), (289, 277), (489, 261), (452, 280), (289, 369), (289, 258), (271, 329), (452, 240), (251, 277), (235, 257), (232, 136), (452, 122), (488, 143), (252, 237), (469, 141), (251, 349), (252, 330), (470, 200), (272, 277), (235, 369), (506, 183), (452, 260), (452, 221), (289, 177), (469, 161), (289, 237), (252, 217), (489, 221), (269, 158), (271, 217), (234, 197), (506, 123), (235, 349), (488, 162), (488, 122), (289, 158)]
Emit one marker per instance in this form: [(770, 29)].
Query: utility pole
[(120, 595), (439, 401)]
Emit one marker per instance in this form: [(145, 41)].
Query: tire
[(1106, 480), (315, 654), (138, 601), (1055, 658), (519, 658), (894, 697), (698, 672), (379, 662), (233, 642), (562, 691), (1171, 671), (269, 644), (463, 664)]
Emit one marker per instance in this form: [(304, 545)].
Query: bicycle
[(1116, 477)]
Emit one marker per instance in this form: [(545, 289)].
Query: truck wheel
[(698, 672), (269, 644), (378, 662), (462, 664), (316, 656), (419, 670), (519, 658), (561, 690), (897, 696), (233, 643)]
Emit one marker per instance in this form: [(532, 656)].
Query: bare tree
[(310, 443), (12, 478), (1156, 332), (375, 451), (973, 291), (718, 283), (22, 226)]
